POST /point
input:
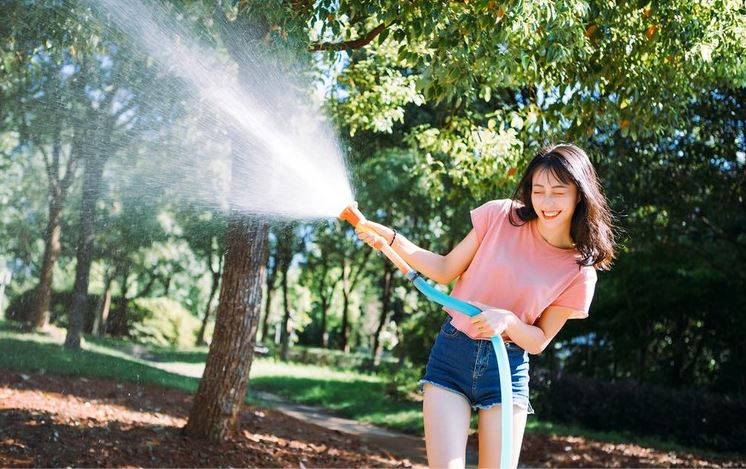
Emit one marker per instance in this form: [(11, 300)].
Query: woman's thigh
[(490, 435), (446, 415)]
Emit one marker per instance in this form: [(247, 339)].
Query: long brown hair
[(592, 227)]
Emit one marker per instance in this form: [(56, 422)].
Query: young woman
[(529, 264)]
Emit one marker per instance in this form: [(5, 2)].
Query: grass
[(105, 358), (350, 394), (353, 395), (39, 352)]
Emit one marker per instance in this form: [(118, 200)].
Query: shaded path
[(399, 444)]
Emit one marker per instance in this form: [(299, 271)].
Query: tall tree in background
[(50, 112), (288, 244), (319, 272), (270, 285), (204, 232), (128, 99), (352, 268)]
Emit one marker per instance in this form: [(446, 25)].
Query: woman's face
[(553, 200)]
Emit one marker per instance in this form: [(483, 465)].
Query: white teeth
[(551, 214)]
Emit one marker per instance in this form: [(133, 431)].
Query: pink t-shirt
[(516, 269)]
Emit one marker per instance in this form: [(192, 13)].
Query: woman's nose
[(547, 201)]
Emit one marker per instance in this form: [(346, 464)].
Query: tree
[(130, 233), (214, 414), (203, 232), (289, 242), (386, 288), (44, 121), (352, 267), (120, 114), (270, 287), (321, 275)]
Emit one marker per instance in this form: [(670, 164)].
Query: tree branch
[(50, 177), (47, 162), (356, 44), (720, 233), (356, 276), (72, 159)]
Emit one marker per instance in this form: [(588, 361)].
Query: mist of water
[(283, 159)]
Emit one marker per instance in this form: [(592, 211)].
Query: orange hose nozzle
[(352, 215)]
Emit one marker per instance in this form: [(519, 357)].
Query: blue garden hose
[(506, 387)]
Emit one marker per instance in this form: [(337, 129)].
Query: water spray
[(353, 216)]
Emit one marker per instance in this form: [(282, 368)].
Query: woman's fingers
[(368, 226), (479, 305), (478, 321), (366, 237)]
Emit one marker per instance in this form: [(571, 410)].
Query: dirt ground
[(54, 421)]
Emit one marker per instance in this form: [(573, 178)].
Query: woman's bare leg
[(490, 434), (446, 416)]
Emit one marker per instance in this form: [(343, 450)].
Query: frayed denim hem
[(423, 382), (525, 405)]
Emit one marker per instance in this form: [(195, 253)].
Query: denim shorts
[(468, 367)]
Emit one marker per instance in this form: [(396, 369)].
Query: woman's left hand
[(492, 321)]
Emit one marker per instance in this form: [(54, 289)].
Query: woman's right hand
[(373, 234)]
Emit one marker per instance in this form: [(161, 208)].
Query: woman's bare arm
[(440, 268)]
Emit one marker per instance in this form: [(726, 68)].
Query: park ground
[(57, 420)]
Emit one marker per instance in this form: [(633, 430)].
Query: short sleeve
[(579, 294), (487, 215)]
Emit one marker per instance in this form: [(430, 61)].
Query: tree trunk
[(265, 319), (285, 340), (102, 308), (58, 187), (214, 413), (284, 256), (326, 293), (208, 307), (119, 323), (324, 332), (345, 320), (94, 169), (271, 274), (52, 248), (386, 287), (167, 288), (350, 278), (4, 280)]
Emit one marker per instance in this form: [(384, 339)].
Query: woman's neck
[(558, 237)]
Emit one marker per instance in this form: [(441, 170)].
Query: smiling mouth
[(551, 215)]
